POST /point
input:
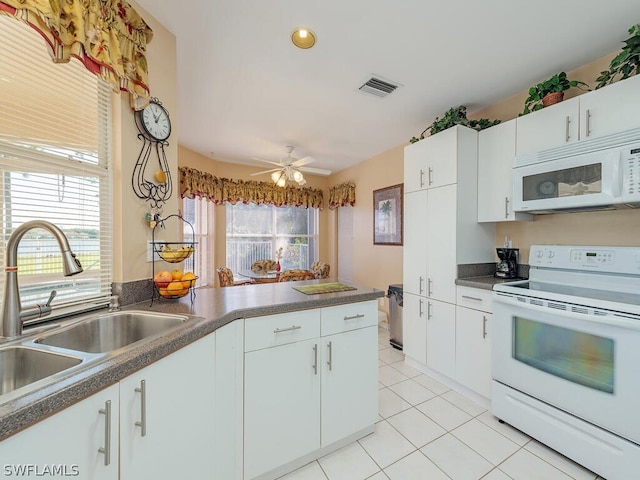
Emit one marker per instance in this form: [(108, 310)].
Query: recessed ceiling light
[(303, 38)]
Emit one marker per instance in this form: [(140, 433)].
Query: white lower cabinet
[(166, 416), (310, 381), (70, 443), (473, 340), (441, 337), (414, 327), (160, 424)]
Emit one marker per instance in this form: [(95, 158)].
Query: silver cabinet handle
[(429, 287), (471, 298), (292, 327), (568, 121), (421, 285), (421, 178), (430, 175), (143, 408), (588, 123), (429, 315), (354, 317), (330, 361), (420, 309), (106, 411), (506, 207), (315, 359), (484, 326)]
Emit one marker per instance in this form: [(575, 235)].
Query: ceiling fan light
[(281, 181), (303, 38), (275, 176), (297, 176)]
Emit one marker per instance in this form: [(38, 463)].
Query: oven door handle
[(627, 323)]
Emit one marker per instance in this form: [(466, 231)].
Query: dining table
[(270, 276)]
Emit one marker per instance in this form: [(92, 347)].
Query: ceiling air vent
[(378, 87)]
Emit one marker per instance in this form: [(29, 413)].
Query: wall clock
[(154, 127)]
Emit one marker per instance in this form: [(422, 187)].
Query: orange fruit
[(188, 280), (176, 274)]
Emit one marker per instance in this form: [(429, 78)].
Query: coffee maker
[(507, 267)]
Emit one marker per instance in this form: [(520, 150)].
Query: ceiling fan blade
[(315, 171), (265, 171), (303, 161), (266, 161)]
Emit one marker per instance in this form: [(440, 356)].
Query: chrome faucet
[(12, 312)]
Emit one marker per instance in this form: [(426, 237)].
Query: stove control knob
[(550, 254), (539, 253)]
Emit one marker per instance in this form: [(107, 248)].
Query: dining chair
[(225, 277), (320, 269), (295, 275)]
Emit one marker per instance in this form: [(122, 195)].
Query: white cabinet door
[(166, 416), (70, 440), (281, 405), (473, 350), (414, 259), (414, 327), (550, 127), (349, 383), (415, 167), (442, 158), (496, 149), (611, 109), (441, 243), (441, 337)]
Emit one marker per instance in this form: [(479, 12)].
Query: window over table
[(256, 232), (55, 140)]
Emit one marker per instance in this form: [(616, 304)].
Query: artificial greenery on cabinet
[(452, 117), (626, 64), (556, 84)]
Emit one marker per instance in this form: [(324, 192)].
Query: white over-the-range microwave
[(597, 174)]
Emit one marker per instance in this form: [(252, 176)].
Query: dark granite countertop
[(211, 307), (480, 275)]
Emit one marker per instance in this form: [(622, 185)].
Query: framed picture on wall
[(387, 215)]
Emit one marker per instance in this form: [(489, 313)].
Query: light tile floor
[(428, 432)]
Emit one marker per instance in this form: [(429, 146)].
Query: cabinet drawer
[(476, 298), (343, 318), (274, 330)]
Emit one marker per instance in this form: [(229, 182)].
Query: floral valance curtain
[(108, 36), (342, 195), (196, 184)]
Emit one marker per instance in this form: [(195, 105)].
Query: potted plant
[(627, 63), (549, 92), (455, 116)]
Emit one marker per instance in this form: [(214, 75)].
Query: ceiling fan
[(291, 168)]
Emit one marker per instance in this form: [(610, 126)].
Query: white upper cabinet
[(611, 109), (608, 110), (549, 127), (496, 149), (415, 167), (443, 151)]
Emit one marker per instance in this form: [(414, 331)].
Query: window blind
[(55, 149)]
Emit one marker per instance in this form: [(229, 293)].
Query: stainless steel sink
[(21, 366), (108, 332)]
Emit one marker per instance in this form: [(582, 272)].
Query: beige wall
[(588, 228), (131, 232)]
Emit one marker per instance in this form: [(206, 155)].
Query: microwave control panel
[(631, 165)]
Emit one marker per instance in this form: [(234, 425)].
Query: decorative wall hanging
[(387, 215), (155, 127)]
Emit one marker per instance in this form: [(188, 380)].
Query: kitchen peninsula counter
[(211, 308)]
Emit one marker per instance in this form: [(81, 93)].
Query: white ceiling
[(245, 91)]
